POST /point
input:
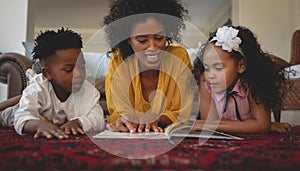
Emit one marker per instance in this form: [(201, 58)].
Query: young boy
[(59, 101)]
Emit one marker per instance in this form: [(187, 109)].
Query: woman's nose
[(152, 45)]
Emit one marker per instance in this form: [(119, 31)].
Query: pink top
[(242, 101)]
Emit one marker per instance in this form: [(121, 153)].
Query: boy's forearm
[(93, 121), (31, 126)]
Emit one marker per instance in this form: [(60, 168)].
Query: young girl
[(239, 85)]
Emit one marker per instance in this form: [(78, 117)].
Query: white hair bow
[(228, 39)]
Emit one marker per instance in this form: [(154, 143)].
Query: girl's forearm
[(245, 126)]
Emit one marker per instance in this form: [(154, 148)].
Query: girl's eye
[(206, 69), (219, 69)]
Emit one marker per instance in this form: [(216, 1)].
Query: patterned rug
[(270, 151)]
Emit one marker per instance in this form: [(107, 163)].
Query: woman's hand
[(153, 126), (149, 121), (74, 126), (150, 126), (124, 123), (133, 124)]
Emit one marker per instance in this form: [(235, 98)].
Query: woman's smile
[(152, 58)]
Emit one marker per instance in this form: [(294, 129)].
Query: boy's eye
[(68, 70)]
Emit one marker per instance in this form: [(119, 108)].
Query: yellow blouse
[(173, 97)]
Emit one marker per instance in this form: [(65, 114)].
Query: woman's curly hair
[(266, 79), (48, 42), (121, 9)]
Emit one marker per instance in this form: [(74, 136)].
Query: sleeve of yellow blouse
[(181, 104), (183, 95), (113, 64), (117, 85)]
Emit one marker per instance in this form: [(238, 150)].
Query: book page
[(178, 132), (126, 135)]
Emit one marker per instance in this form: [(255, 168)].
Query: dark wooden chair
[(291, 101)]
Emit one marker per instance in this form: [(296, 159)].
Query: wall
[(219, 19), (13, 18), (273, 21)]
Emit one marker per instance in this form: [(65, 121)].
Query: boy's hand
[(281, 127), (74, 126), (49, 130)]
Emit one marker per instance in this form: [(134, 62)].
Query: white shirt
[(39, 98)]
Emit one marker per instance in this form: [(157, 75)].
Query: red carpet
[(257, 152)]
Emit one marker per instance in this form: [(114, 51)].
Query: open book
[(175, 130)]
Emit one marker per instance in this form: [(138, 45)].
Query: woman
[(147, 83)]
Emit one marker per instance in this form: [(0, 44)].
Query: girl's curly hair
[(48, 42), (266, 79), (121, 9)]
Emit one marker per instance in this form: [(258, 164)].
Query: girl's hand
[(74, 126), (198, 125), (125, 123), (48, 130), (281, 127)]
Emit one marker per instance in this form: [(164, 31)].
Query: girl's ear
[(47, 73), (242, 66)]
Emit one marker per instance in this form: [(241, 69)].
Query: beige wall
[(273, 21), (13, 18)]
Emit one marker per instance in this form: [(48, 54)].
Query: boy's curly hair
[(266, 79), (121, 9), (48, 42)]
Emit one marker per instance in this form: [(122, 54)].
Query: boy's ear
[(242, 66), (47, 73)]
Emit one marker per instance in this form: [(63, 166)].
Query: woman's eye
[(219, 69), (159, 37), (142, 41)]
